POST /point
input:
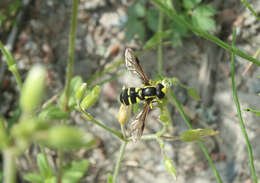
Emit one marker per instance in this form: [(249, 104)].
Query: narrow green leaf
[(50, 180), (193, 93), (81, 91), (170, 167), (33, 178), (44, 167), (256, 112), (109, 178), (156, 39)]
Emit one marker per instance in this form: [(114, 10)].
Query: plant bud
[(170, 167), (33, 89), (90, 99), (197, 134), (124, 113), (81, 92)]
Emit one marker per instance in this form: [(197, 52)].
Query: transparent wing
[(133, 65), (137, 125)]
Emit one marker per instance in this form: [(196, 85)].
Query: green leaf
[(197, 134), (201, 17), (44, 167), (205, 11), (50, 180), (170, 167), (76, 82), (33, 178), (193, 93), (137, 10), (135, 27), (204, 23), (189, 4), (165, 115), (152, 19), (53, 112), (109, 178), (157, 37), (73, 172), (256, 112)]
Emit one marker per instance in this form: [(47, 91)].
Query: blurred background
[(38, 32)]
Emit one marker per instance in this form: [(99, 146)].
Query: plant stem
[(202, 146), (71, 53), (171, 13), (60, 165), (119, 160), (250, 9), (11, 65), (242, 125), (9, 166), (159, 51), (89, 117)]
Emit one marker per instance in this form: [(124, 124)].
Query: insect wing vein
[(133, 65), (137, 125)]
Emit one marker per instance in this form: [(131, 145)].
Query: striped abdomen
[(134, 95)]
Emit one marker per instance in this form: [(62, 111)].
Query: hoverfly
[(149, 93)]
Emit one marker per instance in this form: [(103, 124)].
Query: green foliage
[(143, 19), (74, 171), (76, 83), (45, 169), (168, 164), (53, 112), (109, 178), (193, 93)]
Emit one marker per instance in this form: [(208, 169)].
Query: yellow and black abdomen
[(130, 96)]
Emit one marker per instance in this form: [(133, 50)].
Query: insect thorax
[(135, 95)]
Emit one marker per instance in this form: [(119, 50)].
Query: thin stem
[(119, 160), (11, 65), (9, 166), (71, 52), (202, 146), (250, 9), (171, 13), (242, 125), (60, 165), (159, 51), (89, 117)]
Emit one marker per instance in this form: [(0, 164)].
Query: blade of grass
[(250, 9), (242, 125), (202, 146), (204, 34)]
